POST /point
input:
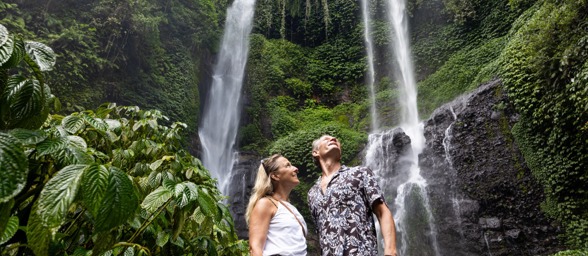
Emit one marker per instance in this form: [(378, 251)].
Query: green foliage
[(336, 62), (129, 158), (78, 181), (572, 253), (297, 146), (545, 71), (146, 53), (459, 74)]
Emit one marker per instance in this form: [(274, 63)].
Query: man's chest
[(339, 192)]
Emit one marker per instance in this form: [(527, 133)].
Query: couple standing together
[(342, 203)]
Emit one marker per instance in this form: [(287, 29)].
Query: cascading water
[(370, 54), (455, 198), (220, 118), (415, 227), (412, 195)]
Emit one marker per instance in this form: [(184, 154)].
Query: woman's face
[(286, 173)]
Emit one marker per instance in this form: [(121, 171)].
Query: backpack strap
[(303, 230)]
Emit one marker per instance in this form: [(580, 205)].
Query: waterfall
[(370, 54), (412, 195), (416, 233), (220, 118)]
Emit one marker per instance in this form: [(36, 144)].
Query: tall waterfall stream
[(220, 119), (416, 233)]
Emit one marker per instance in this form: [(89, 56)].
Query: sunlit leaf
[(152, 123), (97, 123), (51, 146), (58, 194), (156, 199), (155, 165), (24, 96), (198, 216), (73, 124), (154, 179), (130, 251), (119, 202), (41, 54), (18, 53), (162, 238), (13, 167), (73, 155), (6, 45), (94, 185), (77, 141), (193, 188), (169, 184), (10, 230)]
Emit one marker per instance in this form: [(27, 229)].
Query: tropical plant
[(98, 182)]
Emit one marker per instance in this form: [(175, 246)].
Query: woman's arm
[(387, 227), (259, 221)]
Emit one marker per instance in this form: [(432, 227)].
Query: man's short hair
[(315, 145)]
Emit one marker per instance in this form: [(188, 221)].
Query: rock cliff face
[(242, 182), (483, 197)]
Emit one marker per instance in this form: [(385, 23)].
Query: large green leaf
[(94, 186), (97, 123), (73, 124), (156, 199), (18, 91), (10, 230), (4, 35), (77, 142), (5, 209), (38, 235), (28, 137), (75, 152), (25, 98), (6, 45), (162, 238), (59, 193), (52, 146), (73, 155), (207, 203), (13, 167), (119, 202), (18, 53), (38, 118), (41, 54)]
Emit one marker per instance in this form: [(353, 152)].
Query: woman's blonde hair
[(263, 183)]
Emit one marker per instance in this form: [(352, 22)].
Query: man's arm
[(387, 227)]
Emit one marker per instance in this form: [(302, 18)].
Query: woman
[(275, 226)]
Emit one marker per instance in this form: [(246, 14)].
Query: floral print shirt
[(343, 213)]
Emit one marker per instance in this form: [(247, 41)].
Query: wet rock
[(485, 199)]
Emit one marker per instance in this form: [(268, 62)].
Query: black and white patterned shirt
[(343, 214)]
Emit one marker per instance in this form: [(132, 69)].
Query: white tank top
[(285, 236)]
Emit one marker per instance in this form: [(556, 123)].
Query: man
[(342, 203)]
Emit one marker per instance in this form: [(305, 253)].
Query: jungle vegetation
[(305, 77)]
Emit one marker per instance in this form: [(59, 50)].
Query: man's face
[(328, 146)]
